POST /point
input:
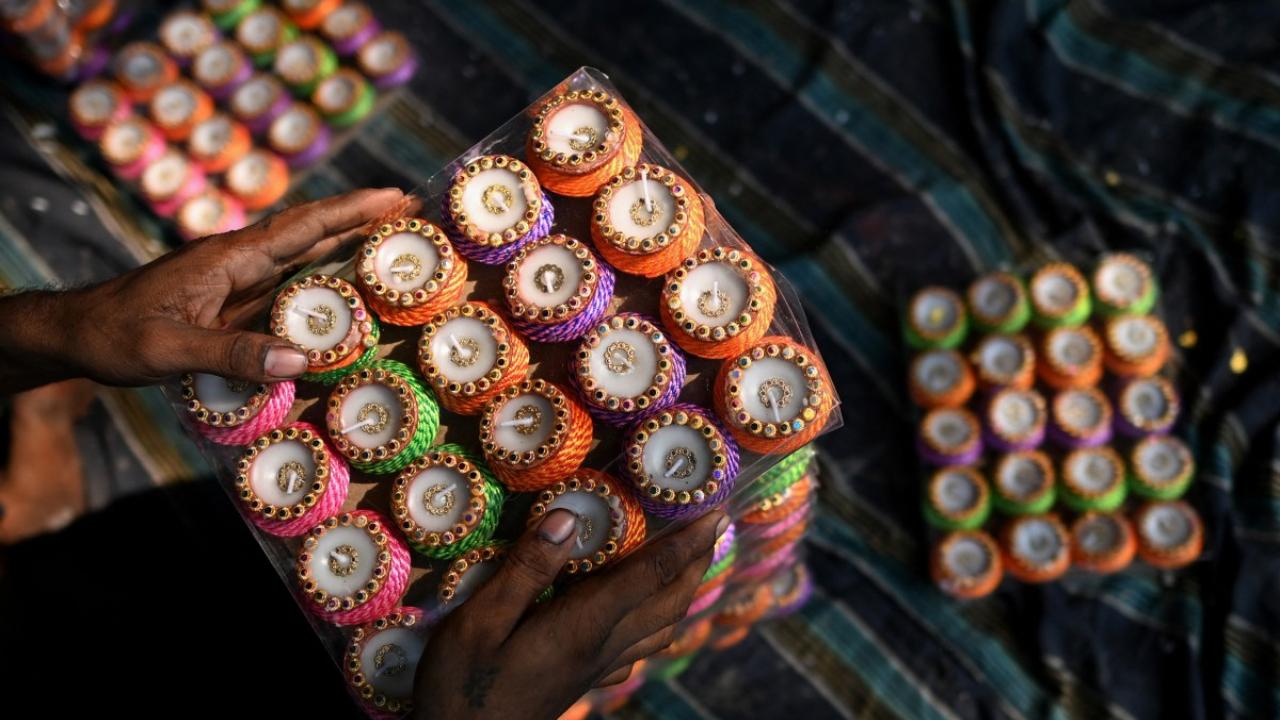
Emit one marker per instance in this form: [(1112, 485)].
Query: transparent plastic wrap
[(726, 392)]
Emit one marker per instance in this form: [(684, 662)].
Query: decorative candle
[(96, 104), (580, 139), (1170, 533), (688, 639), (935, 319), (227, 14), (235, 412), (792, 586), (299, 135), (718, 302), (352, 570), (1023, 483), (141, 68), (170, 181), (469, 355), (223, 70), (1093, 479), (1160, 467), (556, 289), (381, 661), (723, 639), (218, 142), (1135, 345), (957, 498), (387, 59), (680, 462), (999, 304), (89, 15), (177, 107), (778, 504), (326, 317), (950, 436), (259, 101), (1102, 542), (349, 28), (1146, 406), (775, 396), (290, 479), (185, 33), (409, 272), (940, 378), (447, 502), (258, 180), (1059, 296), (1015, 420), (467, 573), (494, 207), (1123, 284), (744, 606), (646, 220), (303, 62), (381, 418), (610, 522), (626, 369), (1071, 357), (308, 14), (263, 32), (1081, 418), (1036, 548), (130, 146), (785, 473), (344, 98), (966, 564), (534, 434), (1005, 361), (212, 212)]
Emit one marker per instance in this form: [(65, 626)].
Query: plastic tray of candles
[(560, 318), (1046, 401)]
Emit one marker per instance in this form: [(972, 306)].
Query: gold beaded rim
[(681, 194), (365, 57), (565, 310), (1067, 424), (366, 263), (617, 529), (583, 161), (528, 185), (1176, 446), (234, 418), (148, 189), (1000, 428), (459, 567), (1006, 279), (358, 339), (1054, 523), (651, 487), (934, 492), (955, 362), (815, 380), (335, 603), (208, 33), (1081, 525), (282, 24), (993, 376), (747, 267), (1072, 482), (984, 540), (189, 88), (560, 430), (1061, 365), (1064, 270), (1131, 261), (268, 80), (936, 444), (476, 504), (354, 664), (502, 338), (363, 16), (214, 80), (281, 513), (1116, 345), (1171, 404), (947, 294), (1196, 527), (408, 414), (103, 86), (1035, 457), (662, 350)]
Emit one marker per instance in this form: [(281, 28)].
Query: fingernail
[(285, 362), (722, 525), (558, 526)]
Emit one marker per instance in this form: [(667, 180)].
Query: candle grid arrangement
[(1046, 418), (487, 355), (214, 118)]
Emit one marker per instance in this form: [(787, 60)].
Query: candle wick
[(363, 423), (402, 268), (309, 313), (518, 422), (644, 185), (675, 467), (622, 360), (772, 392), (548, 278), (458, 348), (293, 477), (715, 296), (340, 558), (436, 498)]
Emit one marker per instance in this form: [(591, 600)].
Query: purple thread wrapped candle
[(626, 369), (1146, 406), (1015, 420), (949, 436), (494, 207), (1080, 418), (557, 289), (680, 461), (349, 28)]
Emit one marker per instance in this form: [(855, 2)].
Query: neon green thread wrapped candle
[(936, 318), (447, 502), (1093, 479), (263, 32), (1059, 296), (786, 473), (304, 62), (1023, 483), (381, 418), (1124, 285), (1160, 468), (998, 303), (957, 498), (344, 98), (226, 14)]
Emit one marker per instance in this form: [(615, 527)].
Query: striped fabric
[(869, 147)]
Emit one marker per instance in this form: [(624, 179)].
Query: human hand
[(502, 655)]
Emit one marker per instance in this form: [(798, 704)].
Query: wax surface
[(673, 439), (254, 97), (1001, 355), (337, 92), (447, 504), (956, 492), (1071, 347), (201, 214), (292, 130), (510, 438), (317, 334), (699, 301), (1015, 412), (484, 194), (209, 137), (297, 59), (218, 62), (183, 31), (264, 473), (472, 579), (1037, 541), (1135, 336), (966, 558), (164, 177), (575, 119), (406, 261), (614, 370), (124, 141), (343, 22), (1160, 459), (1166, 526), (1020, 477), (141, 68), (1052, 290), (212, 392), (174, 104), (949, 428), (937, 372), (381, 54), (1080, 410), (249, 174), (93, 103), (479, 350), (260, 30), (1099, 534), (328, 547), (994, 298), (1144, 400), (934, 312), (400, 650), (366, 399), (629, 205), (594, 521), (538, 271), (1092, 472), (763, 371), (1120, 281)]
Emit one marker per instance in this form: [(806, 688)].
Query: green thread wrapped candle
[(1093, 479), (344, 98), (226, 14), (935, 318), (1124, 285), (1059, 296), (998, 303), (1160, 468), (1023, 483), (957, 498), (447, 502), (381, 418), (329, 377)]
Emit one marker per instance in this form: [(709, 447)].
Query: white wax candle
[(216, 394), (548, 276), (183, 32), (714, 294), (438, 497), (576, 128), (937, 372), (1161, 459), (336, 93), (294, 129), (389, 660), (494, 200), (336, 569), (624, 362), (966, 558), (677, 458), (1071, 346), (1015, 412), (318, 318), (956, 492), (406, 261), (523, 423), (372, 412), (345, 21), (1079, 410), (382, 54), (1053, 290), (471, 580), (1099, 534), (173, 104), (259, 31), (1036, 541), (774, 390), (1135, 336), (282, 473), (642, 208), (464, 349), (123, 142), (1092, 472), (93, 103), (594, 521), (255, 96), (215, 65), (297, 60), (934, 312), (948, 428), (1002, 355), (1020, 477), (993, 297), (165, 177), (211, 136), (142, 68), (202, 214), (1166, 526), (249, 174), (1120, 282), (1145, 401)]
